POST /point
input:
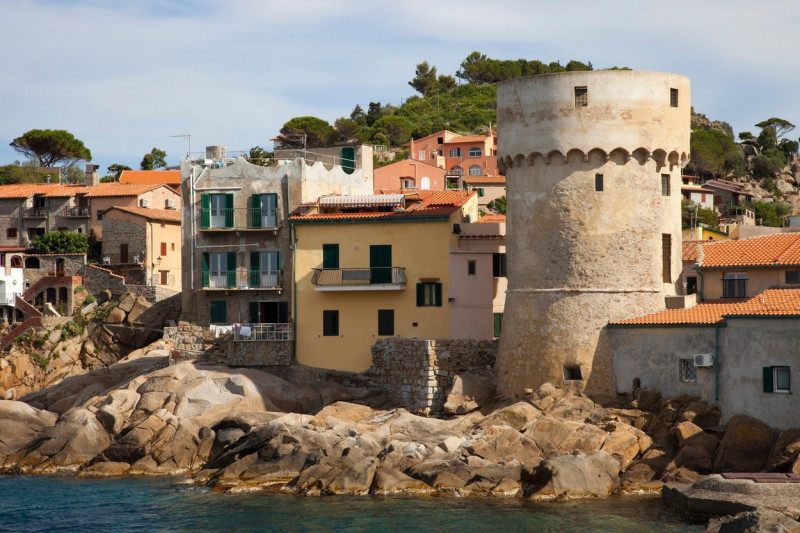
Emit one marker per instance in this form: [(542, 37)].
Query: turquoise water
[(34, 503)]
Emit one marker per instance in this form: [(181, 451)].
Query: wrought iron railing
[(262, 332), (238, 218), (332, 277), (35, 212), (76, 212), (249, 279)]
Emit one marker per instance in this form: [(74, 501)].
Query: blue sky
[(126, 76)]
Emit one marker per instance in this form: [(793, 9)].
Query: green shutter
[(205, 269), (255, 269), (218, 311), (205, 211), (231, 269), (255, 211), (498, 324), (330, 256), (279, 262), (768, 386), (420, 294), (349, 159), (229, 210), (438, 292)]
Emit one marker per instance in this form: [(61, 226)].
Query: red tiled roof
[(447, 198), (150, 214), (492, 219), (498, 180), (690, 251), (780, 249), (120, 189), (25, 190), (167, 177), (771, 302)]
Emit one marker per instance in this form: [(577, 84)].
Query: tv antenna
[(188, 138)]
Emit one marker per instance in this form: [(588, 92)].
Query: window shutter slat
[(768, 386)]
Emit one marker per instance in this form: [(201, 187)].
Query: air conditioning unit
[(143, 202), (704, 359), (170, 202), (136, 260), (106, 260)]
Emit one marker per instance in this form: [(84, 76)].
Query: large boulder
[(577, 475), (745, 446), (20, 424), (762, 520), (76, 438)]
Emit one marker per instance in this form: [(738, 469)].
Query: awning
[(363, 200)]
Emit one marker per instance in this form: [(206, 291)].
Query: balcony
[(263, 332), (246, 280), (122, 259), (359, 279), (238, 218), (35, 212), (76, 212)]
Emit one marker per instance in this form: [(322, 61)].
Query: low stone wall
[(97, 279), (188, 338), (259, 353), (416, 373)]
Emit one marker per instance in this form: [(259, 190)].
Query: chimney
[(92, 177)]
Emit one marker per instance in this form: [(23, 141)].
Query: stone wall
[(97, 279), (416, 373), (118, 232), (259, 353)]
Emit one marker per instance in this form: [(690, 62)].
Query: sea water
[(65, 504)]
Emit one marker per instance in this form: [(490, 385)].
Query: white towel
[(245, 331)]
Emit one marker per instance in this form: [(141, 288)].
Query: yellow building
[(373, 266)]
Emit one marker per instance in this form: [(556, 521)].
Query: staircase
[(21, 328)]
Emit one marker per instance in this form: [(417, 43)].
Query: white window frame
[(775, 387), (475, 170), (687, 371), (455, 152), (476, 151)]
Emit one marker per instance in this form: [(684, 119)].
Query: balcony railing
[(263, 332), (249, 279), (238, 218), (76, 212), (35, 212), (377, 278)]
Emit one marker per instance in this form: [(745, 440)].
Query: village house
[(104, 196), (459, 155), (143, 245), (236, 248), (408, 175), (478, 279), (375, 266), (489, 189)]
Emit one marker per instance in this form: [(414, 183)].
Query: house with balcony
[(407, 176), (236, 248), (143, 245), (737, 269), (478, 279), (27, 210), (104, 196), (373, 266)]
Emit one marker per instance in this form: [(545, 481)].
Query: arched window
[(455, 152), (457, 171), (30, 262), (475, 170), (475, 151)]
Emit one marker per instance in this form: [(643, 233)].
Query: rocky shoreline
[(244, 429)]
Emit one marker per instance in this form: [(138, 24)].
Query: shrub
[(90, 300), (78, 289)]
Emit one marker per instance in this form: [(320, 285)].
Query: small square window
[(385, 321), (11, 233), (572, 373), (688, 371), (792, 277), (472, 267), (598, 182), (673, 97), (330, 323), (581, 96), (429, 294), (665, 185), (782, 379)]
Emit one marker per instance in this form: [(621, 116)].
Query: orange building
[(459, 155)]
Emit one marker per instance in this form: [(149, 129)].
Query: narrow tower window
[(666, 257), (598, 182), (673, 97), (664, 184), (581, 96)]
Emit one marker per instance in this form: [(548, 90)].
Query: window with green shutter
[(205, 211), (385, 321), (349, 159), (231, 269), (205, 270), (229, 210), (777, 379), (255, 211), (498, 324), (218, 311), (330, 256)]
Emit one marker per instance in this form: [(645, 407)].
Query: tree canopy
[(780, 126), (60, 242), (116, 169), (315, 131), (49, 147), (714, 154), (155, 159)]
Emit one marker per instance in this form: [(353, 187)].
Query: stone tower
[(593, 168)]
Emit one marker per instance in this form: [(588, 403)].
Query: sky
[(126, 76)]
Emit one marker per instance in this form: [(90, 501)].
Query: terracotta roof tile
[(168, 177), (119, 189), (690, 251), (771, 302), (494, 180), (780, 249), (25, 190), (492, 219), (150, 214)]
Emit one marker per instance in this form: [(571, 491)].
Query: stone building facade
[(593, 166)]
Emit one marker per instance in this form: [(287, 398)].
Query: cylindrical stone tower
[(593, 168)]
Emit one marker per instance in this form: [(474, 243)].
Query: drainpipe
[(716, 363), (293, 248), (700, 285)]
